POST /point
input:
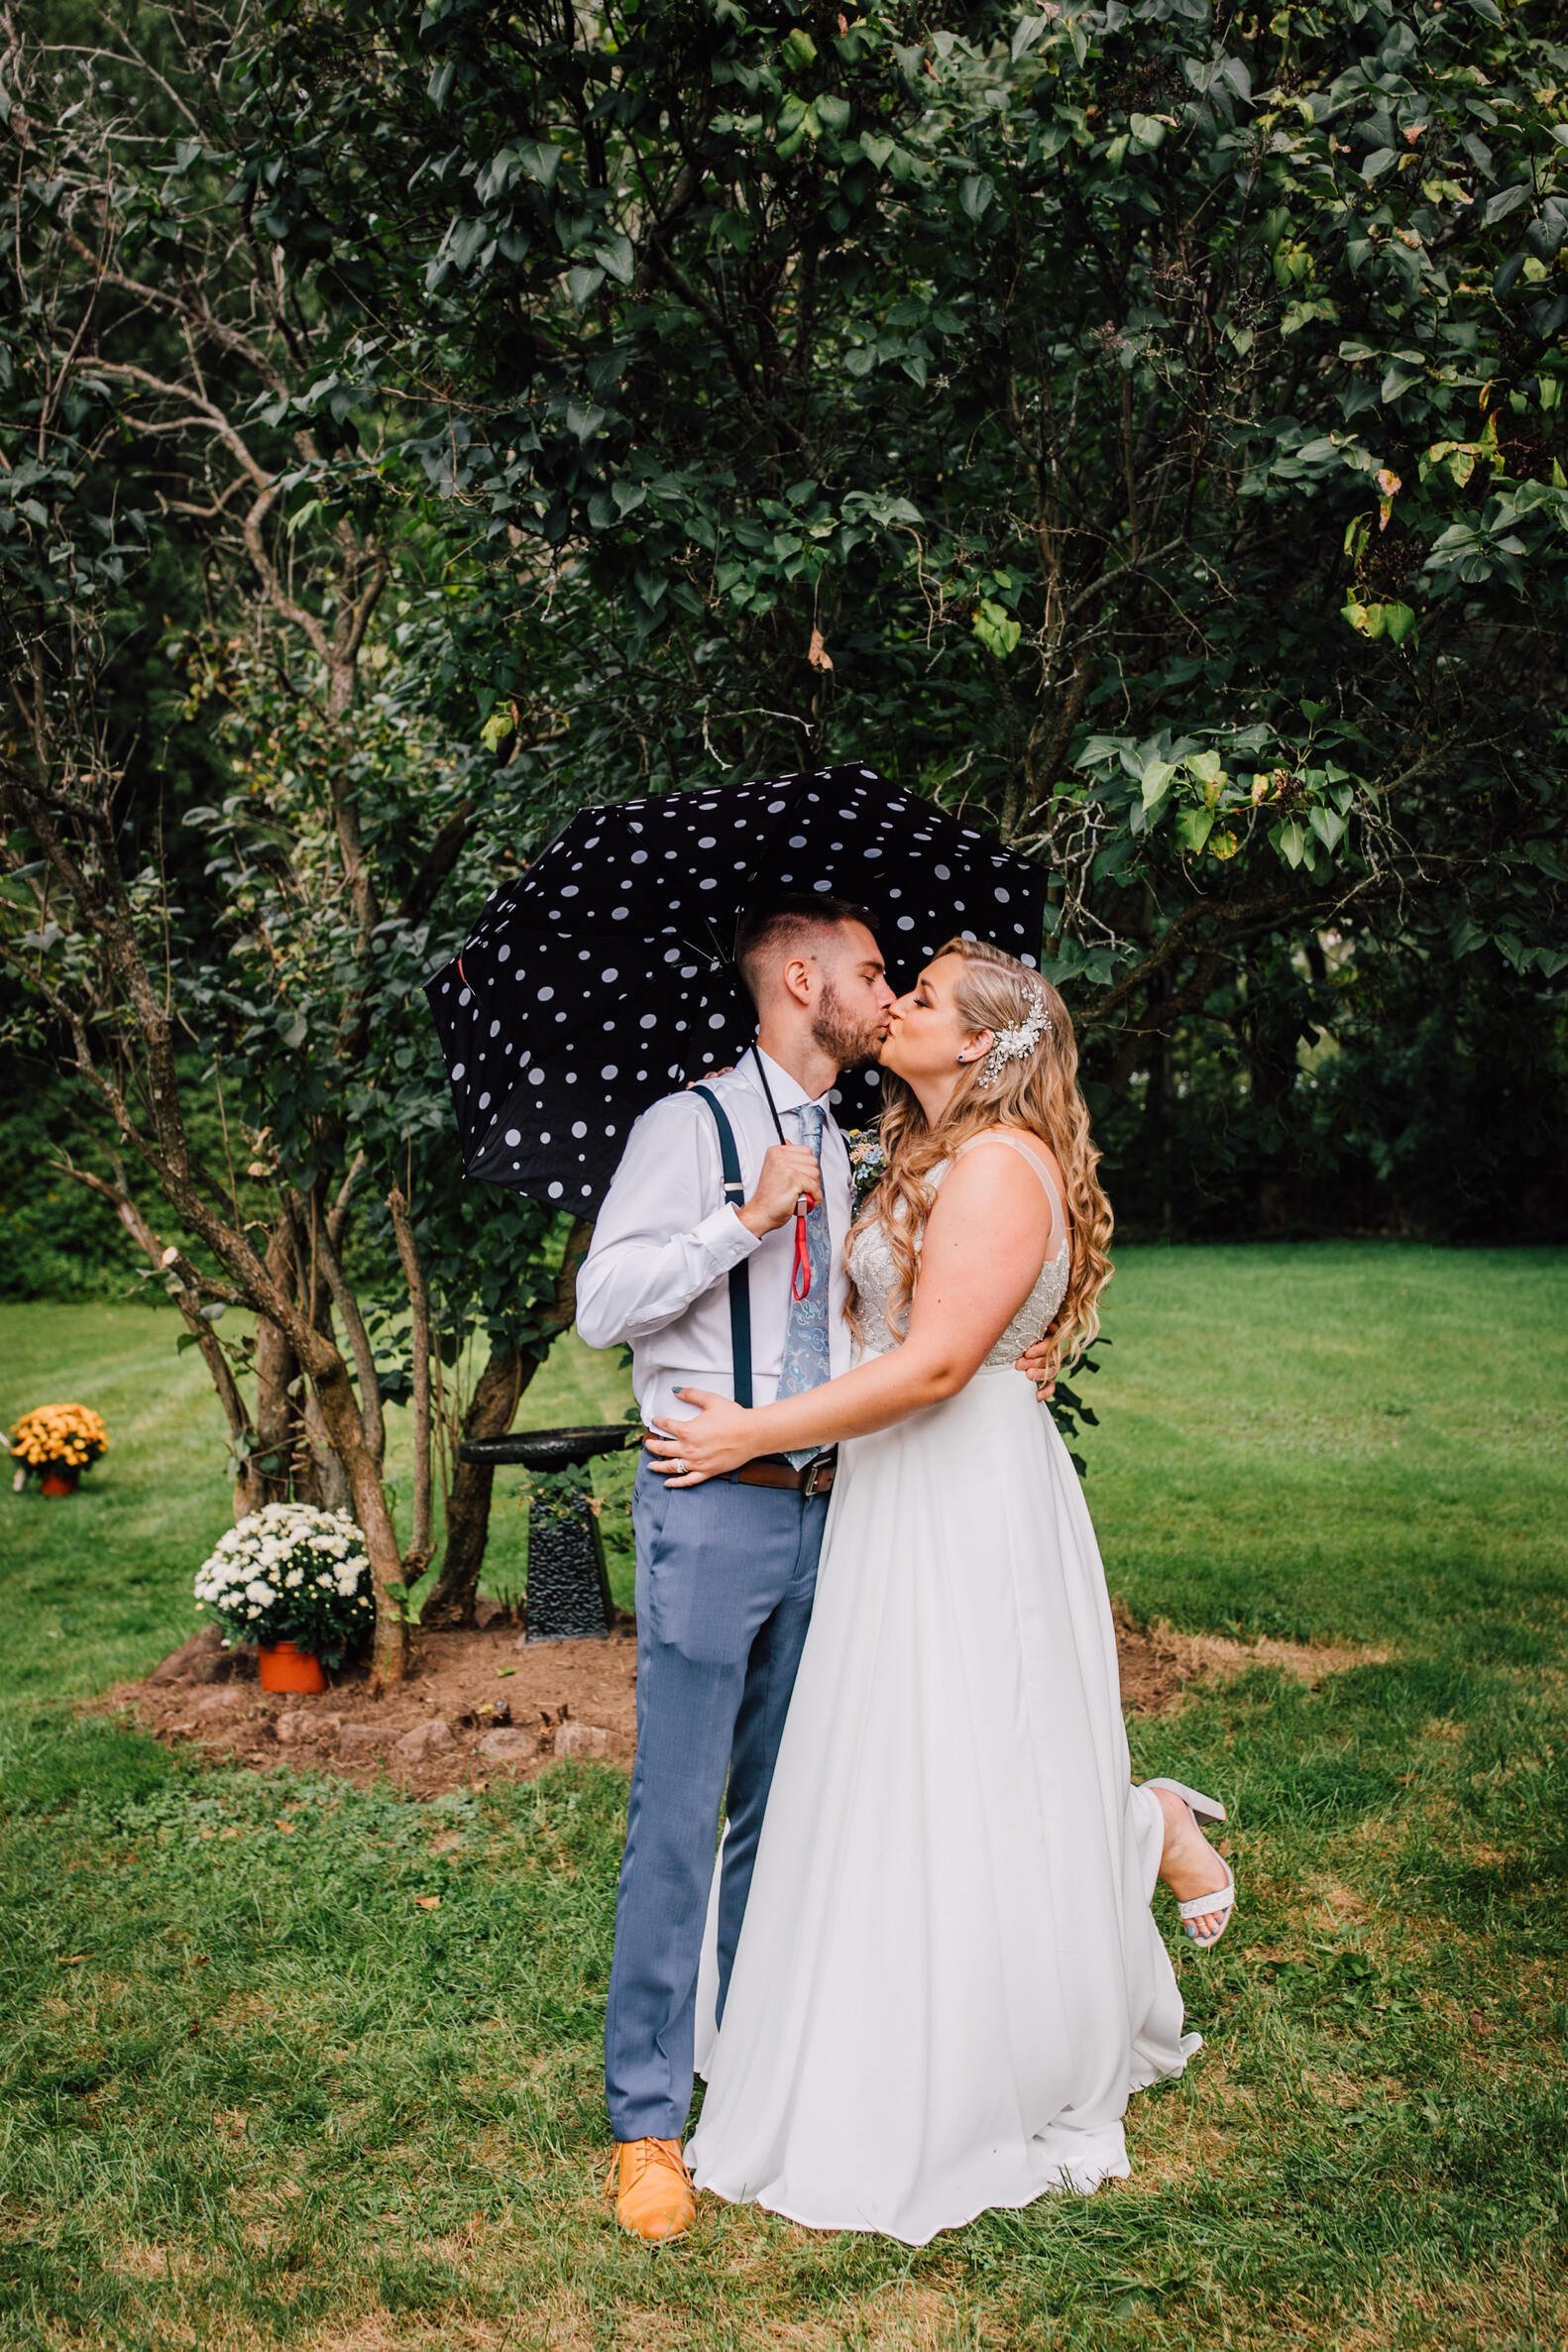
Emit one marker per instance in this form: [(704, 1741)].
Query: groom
[(725, 1571)]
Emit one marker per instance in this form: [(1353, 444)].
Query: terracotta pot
[(59, 1477), (284, 1669)]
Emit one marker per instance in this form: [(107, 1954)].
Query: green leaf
[(1506, 200), (1328, 825), (1194, 827), (618, 258), (1398, 621), (799, 50), (1290, 839), (1154, 780), (976, 194), (582, 284), (539, 160), (996, 628)]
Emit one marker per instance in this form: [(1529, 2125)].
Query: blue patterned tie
[(807, 1362)]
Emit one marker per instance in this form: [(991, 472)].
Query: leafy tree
[(243, 1019), (1142, 424)]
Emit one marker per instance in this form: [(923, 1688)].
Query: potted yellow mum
[(60, 1442)]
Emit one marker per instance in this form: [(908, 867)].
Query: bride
[(949, 1980)]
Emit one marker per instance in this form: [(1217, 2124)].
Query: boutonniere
[(868, 1161)]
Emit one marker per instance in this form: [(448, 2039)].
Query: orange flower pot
[(284, 1669), (61, 1478)]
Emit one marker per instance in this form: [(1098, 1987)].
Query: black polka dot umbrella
[(603, 977)]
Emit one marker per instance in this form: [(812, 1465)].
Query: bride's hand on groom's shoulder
[(716, 1440)]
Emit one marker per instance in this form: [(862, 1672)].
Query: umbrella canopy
[(603, 978)]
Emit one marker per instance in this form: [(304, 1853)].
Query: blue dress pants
[(725, 1575)]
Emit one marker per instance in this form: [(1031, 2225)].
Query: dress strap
[(1014, 1143)]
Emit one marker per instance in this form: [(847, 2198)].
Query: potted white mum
[(297, 1581)]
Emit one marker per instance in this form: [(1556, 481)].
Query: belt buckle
[(814, 1473)]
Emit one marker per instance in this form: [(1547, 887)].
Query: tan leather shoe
[(653, 2188)]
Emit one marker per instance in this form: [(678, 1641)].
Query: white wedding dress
[(949, 1980)]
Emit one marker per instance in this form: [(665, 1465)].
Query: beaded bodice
[(875, 1275)]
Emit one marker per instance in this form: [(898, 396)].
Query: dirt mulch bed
[(475, 1702), (487, 1701)]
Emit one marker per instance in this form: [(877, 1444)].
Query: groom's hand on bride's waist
[(788, 1171)]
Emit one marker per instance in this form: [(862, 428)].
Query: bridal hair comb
[(1016, 1044)]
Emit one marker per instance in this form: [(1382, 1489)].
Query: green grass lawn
[(256, 2095)]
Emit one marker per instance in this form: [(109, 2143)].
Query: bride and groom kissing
[(924, 1977)]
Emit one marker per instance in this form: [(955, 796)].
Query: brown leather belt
[(771, 1470)]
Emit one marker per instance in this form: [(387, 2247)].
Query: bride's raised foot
[(1202, 1881)]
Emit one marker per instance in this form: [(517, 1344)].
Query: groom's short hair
[(780, 928)]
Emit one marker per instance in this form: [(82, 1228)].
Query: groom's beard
[(848, 1042)]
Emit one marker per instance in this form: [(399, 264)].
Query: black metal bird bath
[(568, 1589)]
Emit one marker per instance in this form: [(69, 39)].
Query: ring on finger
[(678, 1466)]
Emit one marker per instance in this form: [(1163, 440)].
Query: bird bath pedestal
[(568, 1590)]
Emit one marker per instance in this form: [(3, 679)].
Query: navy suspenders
[(740, 1274)]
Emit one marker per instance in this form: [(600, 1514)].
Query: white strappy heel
[(1223, 1898)]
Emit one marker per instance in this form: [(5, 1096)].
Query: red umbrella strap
[(461, 973), (800, 1278)]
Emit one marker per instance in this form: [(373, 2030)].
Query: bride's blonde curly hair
[(1038, 1093)]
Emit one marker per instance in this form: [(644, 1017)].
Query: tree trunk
[(450, 1601), (320, 1470), (281, 1445), (421, 1542), (334, 1393)]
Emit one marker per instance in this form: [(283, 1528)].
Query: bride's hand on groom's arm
[(718, 1437)]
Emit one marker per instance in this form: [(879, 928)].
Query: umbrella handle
[(800, 1276)]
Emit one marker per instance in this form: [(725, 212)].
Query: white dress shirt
[(658, 1269)]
